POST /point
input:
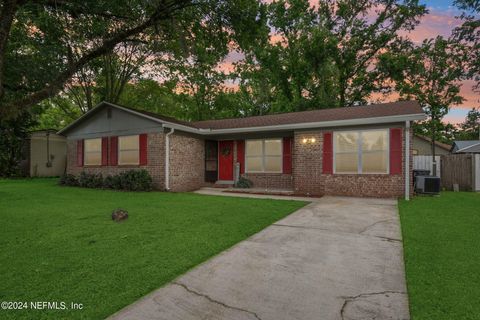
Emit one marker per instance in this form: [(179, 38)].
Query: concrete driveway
[(337, 258)]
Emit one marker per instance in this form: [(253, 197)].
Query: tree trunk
[(6, 20)]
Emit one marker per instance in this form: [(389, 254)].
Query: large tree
[(324, 55), (468, 33), (429, 73), (44, 43)]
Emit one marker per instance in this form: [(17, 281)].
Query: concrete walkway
[(336, 258), (239, 194)]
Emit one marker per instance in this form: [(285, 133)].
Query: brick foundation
[(270, 180)]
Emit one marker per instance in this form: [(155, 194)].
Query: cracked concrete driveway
[(336, 258)]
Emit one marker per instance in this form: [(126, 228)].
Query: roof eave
[(293, 126), (320, 124)]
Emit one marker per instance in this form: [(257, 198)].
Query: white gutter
[(167, 159), (407, 160)]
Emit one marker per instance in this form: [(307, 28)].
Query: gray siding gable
[(118, 123)]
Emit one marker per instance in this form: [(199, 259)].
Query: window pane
[(346, 141), (374, 162), (128, 157), (128, 142), (254, 164), (254, 147), (273, 164), (273, 147), (346, 162), (92, 145), (374, 140), (93, 158)]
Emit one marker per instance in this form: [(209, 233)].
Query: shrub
[(68, 180), (90, 180), (244, 183), (134, 180), (112, 182)]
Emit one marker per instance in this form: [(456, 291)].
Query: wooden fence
[(459, 169), (426, 163)]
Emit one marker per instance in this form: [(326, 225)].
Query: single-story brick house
[(355, 151)]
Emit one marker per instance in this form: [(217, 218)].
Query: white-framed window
[(129, 150), (363, 151), (263, 155), (92, 153)]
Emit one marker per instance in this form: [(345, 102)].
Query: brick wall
[(309, 180), (155, 164), (187, 162), (267, 180), (307, 163), (270, 180)]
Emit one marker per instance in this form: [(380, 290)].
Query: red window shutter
[(104, 151), (241, 155), (327, 159), (143, 149), (79, 153), (113, 151), (287, 155), (396, 151)]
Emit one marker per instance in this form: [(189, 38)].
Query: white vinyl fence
[(426, 163)]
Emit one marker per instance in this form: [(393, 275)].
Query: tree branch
[(164, 11)]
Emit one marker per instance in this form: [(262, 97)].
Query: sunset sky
[(440, 21)]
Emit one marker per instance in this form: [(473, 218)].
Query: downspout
[(407, 160), (167, 159)]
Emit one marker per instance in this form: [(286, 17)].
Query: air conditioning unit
[(427, 184)]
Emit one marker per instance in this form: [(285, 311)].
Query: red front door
[(225, 160)]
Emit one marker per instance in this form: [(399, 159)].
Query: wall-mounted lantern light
[(308, 140)]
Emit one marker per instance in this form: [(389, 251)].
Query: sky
[(440, 21)]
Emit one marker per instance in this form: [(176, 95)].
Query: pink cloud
[(434, 24)]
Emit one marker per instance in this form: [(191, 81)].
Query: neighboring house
[(45, 154), (355, 151), (422, 146), (466, 146)]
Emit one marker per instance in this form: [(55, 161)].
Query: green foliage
[(323, 56), (468, 33), (13, 141), (428, 73), (470, 128), (131, 180), (68, 180), (134, 180), (69, 244), (90, 180), (244, 183)]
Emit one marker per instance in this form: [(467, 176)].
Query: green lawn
[(442, 253), (59, 243)]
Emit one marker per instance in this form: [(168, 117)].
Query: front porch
[(266, 162)]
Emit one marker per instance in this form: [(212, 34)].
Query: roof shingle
[(370, 111)]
